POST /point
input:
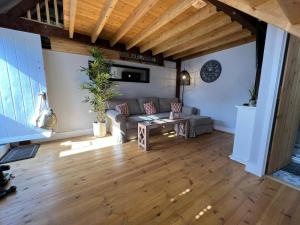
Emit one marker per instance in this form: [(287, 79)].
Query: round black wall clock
[(211, 71)]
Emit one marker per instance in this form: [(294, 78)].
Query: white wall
[(267, 99), (218, 99), (65, 96)]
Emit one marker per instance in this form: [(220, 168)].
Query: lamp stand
[(182, 94)]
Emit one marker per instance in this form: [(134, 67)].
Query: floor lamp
[(185, 79)]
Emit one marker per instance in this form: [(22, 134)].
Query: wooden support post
[(38, 12), (56, 12), (260, 46), (73, 8), (178, 71), (47, 11), (287, 117), (28, 14)]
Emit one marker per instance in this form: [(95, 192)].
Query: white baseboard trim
[(224, 129), (238, 159), (67, 134), (254, 169)]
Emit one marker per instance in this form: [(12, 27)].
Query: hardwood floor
[(178, 182)]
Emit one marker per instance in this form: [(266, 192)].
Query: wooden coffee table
[(145, 127)]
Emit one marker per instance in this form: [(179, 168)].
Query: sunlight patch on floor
[(77, 147), (203, 211), (186, 191)]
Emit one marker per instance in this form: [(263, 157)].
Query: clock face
[(211, 71)]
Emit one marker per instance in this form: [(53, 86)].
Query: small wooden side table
[(182, 129)]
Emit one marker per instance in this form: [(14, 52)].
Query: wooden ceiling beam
[(166, 17), (20, 9), (222, 41), (73, 9), (208, 25), (103, 17), (203, 14), (270, 13), (247, 21), (53, 31), (256, 3), (222, 47), (206, 38), (291, 9), (141, 10)]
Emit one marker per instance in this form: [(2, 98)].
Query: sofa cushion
[(123, 109), (176, 107), (150, 108), (165, 104), (133, 105), (132, 121), (142, 101)]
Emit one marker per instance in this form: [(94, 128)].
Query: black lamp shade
[(185, 77)]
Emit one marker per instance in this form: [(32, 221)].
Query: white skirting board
[(64, 135), (224, 129)]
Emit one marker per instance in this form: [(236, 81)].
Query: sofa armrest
[(115, 116), (116, 125), (186, 110)]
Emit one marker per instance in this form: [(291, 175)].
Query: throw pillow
[(150, 108), (176, 107), (123, 109)]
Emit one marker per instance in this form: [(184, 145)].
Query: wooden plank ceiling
[(281, 13), (175, 28)]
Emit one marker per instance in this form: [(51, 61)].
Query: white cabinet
[(243, 133)]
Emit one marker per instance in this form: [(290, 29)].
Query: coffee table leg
[(186, 129), (147, 139), (177, 129), (143, 137)]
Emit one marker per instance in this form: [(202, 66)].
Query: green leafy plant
[(100, 87), (253, 94)]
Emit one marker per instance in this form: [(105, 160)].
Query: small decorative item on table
[(171, 117), (176, 116)]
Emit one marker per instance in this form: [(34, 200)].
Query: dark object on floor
[(5, 192), (293, 168), (4, 179), (20, 153)]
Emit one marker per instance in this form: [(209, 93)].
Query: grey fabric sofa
[(125, 128)]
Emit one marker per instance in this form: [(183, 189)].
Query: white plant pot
[(99, 129)]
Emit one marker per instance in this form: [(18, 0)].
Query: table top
[(162, 122)]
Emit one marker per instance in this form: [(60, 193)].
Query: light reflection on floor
[(77, 147), (203, 211), (183, 193), (180, 194), (170, 134)]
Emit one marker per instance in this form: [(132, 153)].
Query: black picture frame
[(135, 70)]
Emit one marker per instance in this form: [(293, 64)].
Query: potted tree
[(253, 97), (100, 88)]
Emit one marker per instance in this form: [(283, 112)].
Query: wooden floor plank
[(178, 181)]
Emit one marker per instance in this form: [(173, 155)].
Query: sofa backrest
[(165, 104), (133, 105), (136, 106)]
